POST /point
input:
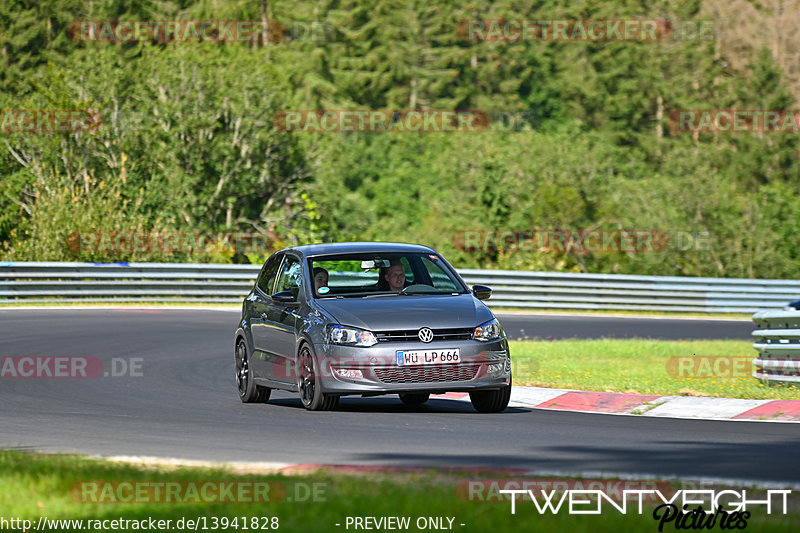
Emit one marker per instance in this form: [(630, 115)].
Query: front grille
[(427, 374), (412, 335)]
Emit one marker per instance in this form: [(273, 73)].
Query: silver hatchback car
[(330, 320)]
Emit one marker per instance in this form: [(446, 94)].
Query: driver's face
[(396, 277)]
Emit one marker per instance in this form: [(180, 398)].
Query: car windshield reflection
[(359, 276)]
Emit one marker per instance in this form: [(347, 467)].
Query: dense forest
[(582, 134)]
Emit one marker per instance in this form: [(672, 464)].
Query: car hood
[(392, 312)]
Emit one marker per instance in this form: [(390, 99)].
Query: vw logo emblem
[(425, 335)]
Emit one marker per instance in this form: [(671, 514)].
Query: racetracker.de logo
[(70, 367), (168, 242), (734, 121), (355, 368), (192, 492), (380, 121), (565, 30), (495, 490), (49, 121), (581, 241), (710, 367), (176, 31)]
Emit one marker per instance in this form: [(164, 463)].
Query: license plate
[(428, 357)]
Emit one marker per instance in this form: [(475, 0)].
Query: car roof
[(311, 250)]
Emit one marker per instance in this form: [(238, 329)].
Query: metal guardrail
[(141, 282), (778, 345), (222, 283), (554, 290)]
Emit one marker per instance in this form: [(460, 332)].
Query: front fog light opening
[(496, 368), (349, 373)]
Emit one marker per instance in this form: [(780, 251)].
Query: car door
[(259, 317), (284, 319)]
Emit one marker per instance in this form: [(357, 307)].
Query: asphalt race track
[(184, 405), (550, 327)]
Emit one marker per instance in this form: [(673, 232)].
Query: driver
[(395, 276), (320, 278)]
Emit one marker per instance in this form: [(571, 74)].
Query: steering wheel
[(416, 287)]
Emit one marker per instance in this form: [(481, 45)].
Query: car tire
[(249, 392), (311, 394), (491, 401), (414, 398)]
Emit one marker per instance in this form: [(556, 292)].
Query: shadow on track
[(394, 405)]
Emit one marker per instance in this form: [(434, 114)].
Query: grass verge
[(34, 486), (720, 368)]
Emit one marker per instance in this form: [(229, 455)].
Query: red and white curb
[(649, 405)]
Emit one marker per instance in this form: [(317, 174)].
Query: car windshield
[(368, 275)]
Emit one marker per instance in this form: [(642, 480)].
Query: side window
[(267, 277), (290, 276), (439, 278)]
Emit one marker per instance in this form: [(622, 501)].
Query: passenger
[(395, 276), (320, 278)]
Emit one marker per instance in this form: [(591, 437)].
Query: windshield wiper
[(392, 293), (429, 292)]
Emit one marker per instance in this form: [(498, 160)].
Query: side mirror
[(284, 296), (481, 292)]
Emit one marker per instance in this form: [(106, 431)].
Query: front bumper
[(374, 370)]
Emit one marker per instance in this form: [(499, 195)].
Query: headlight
[(490, 331), (350, 336)]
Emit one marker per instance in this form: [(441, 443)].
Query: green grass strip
[(34, 485), (720, 368)]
